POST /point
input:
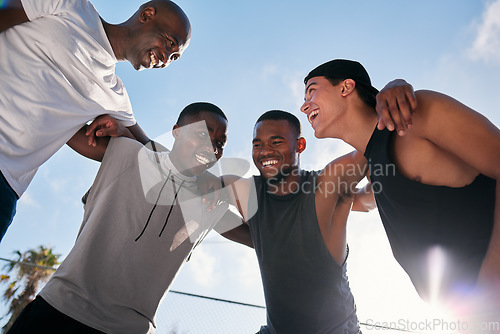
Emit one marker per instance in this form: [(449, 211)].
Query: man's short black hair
[(277, 115), (338, 70), (194, 110)]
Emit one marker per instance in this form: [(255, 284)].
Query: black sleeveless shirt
[(306, 290), (434, 231)]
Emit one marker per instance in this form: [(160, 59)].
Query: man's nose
[(266, 149), (305, 107)]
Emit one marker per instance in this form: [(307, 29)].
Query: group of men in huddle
[(145, 211)]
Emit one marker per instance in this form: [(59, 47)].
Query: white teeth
[(154, 60), (312, 115), (269, 163), (202, 160)]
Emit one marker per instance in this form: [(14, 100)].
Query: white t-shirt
[(57, 73), (129, 250)]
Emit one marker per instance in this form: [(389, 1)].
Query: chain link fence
[(184, 313)]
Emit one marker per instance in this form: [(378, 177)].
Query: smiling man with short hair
[(142, 219), (57, 64)]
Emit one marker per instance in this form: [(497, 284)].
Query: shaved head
[(172, 11), (156, 35)]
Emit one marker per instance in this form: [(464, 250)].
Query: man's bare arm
[(471, 137), (139, 134), (79, 143), (334, 195), (92, 140), (240, 193), (11, 14), (240, 234), (364, 200)]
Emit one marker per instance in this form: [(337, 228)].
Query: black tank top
[(434, 231), (306, 290)]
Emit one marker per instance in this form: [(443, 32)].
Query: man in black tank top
[(435, 186), (299, 230)]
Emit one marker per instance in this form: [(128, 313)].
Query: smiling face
[(200, 144), (276, 149), (322, 106), (159, 38)]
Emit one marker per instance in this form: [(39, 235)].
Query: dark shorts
[(40, 317), (8, 200)]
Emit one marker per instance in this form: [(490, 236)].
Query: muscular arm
[(240, 234), (364, 200), (232, 226), (79, 143), (139, 134), (334, 196), (474, 140), (92, 140), (240, 192)]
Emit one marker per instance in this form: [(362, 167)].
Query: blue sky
[(251, 56)]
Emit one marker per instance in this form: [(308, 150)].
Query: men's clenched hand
[(395, 104), (104, 126), (210, 187)]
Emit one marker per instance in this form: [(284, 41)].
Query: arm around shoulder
[(139, 134), (341, 176), (460, 130), (92, 140), (241, 194), (475, 140), (80, 144), (234, 229)]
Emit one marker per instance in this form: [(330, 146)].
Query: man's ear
[(301, 145), (348, 86), (147, 14), (176, 130)]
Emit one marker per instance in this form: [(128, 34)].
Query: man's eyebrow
[(307, 87), (172, 37), (277, 137), (312, 83), (256, 140)]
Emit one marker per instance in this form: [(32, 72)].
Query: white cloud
[(248, 268), (487, 43), (202, 266), (58, 185), (296, 87), (322, 151), (28, 200), (269, 70)]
